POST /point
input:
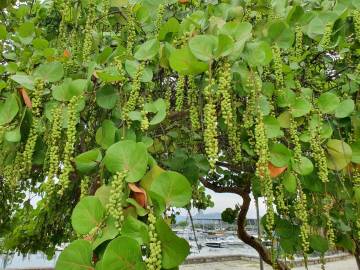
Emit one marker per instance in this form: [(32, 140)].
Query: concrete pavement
[(348, 264)]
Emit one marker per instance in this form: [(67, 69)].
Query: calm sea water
[(40, 260)]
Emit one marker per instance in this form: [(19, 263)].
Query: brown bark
[(357, 255), (254, 242)]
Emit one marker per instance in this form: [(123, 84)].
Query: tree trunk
[(264, 253), (357, 255), (244, 192)]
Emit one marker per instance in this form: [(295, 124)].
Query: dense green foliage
[(112, 113)]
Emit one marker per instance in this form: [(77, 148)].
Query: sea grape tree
[(113, 113)]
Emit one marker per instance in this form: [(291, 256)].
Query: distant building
[(214, 221)]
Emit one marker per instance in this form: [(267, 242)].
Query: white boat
[(233, 241), (215, 244)]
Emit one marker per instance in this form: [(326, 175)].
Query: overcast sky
[(225, 200)]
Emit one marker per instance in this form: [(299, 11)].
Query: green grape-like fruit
[(302, 214), (278, 66), (84, 186), (121, 71), (253, 83), (280, 200), (227, 111), (88, 39), (180, 93), (153, 261), (295, 140), (91, 118), (64, 8), (115, 205), (131, 35), (330, 233), (262, 169), (135, 92), (69, 146), (106, 7), (210, 121), (182, 40), (356, 20), (326, 39), (54, 150), (159, 18), (37, 97), (28, 153), (200, 200), (144, 121), (193, 104), (298, 42), (318, 154)]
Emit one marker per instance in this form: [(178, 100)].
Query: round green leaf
[(280, 155), (339, 154), (284, 119), (105, 135), (258, 53), (131, 67), (50, 72), (239, 31), (107, 97), (304, 166), (69, 89), (87, 214), (77, 256), (203, 47), (3, 32), (159, 108), (328, 102), (26, 29), (264, 104), (147, 50), (185, 63), (139, 209), (272, 127), (109, 74), (318, 24), (127, 156), (171, 26), (281, 34), (123, 253), (286, 98), (88, 161), (24, 80), (103, 194), (345, 108), (319, 243), (135, 229), (13, 135), (8, 109), (106, 233), (289, 182), (301, 107), (357, 194), (355, 152), (173, 188), (174, 249), (225, 46)]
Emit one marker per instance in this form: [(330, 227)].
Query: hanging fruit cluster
[(95, 94), (115, 206), (153, 261)]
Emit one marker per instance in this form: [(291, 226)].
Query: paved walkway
[(348, 264)]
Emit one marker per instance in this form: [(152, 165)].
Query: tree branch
[(252, 241), (221, 189)]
